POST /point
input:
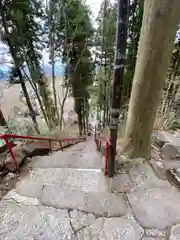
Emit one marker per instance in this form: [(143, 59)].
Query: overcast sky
[(94, 6)]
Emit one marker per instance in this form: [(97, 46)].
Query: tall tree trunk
[(13, 53), (105, 59), (167, 94), (2, 119), (108, 92), (173, 87), (100, 117), (80, 122), (87, 114), (78, 110), (105, 100), (33, 84), (154, 53), (62, 103), (97, 115), (54, 77), (141, 2), (40, 103), (48, 103), (83, 115), (28, 101)]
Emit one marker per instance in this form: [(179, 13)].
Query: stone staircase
[(60, 190), (71, 180), (81, 155), (65, 196)]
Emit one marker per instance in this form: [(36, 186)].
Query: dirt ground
[(10, 97)]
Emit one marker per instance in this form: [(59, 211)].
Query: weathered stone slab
[(160, 138), (29, 189), (80, 219), (142, 175), (113, 228), (93, 231), (171, 151), (106, 204), (12, 195), (31, 185), (63, 198), (121, 228), (171, 164), (19, 221), (69, 159), (175, 232), (158, 168), (155, 207), (121, 183), (102, 204), (82, 180), (82, 146), (85, 180)]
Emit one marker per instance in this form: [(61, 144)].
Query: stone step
[(162, 137), (105, 204), (168, 143), (34, 150), (34, 221), (79, 179), (88, 146), (69, 159), (84, 190)]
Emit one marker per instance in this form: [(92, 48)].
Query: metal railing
[(7, 137), (98, 140)]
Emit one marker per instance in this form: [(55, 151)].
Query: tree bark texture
[(160, 22)]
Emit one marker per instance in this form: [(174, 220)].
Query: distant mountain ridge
[(59, 70)]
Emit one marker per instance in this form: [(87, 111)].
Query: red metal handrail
[(98, 141), (8, 136)]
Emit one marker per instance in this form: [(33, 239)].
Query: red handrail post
[(11, 152)]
